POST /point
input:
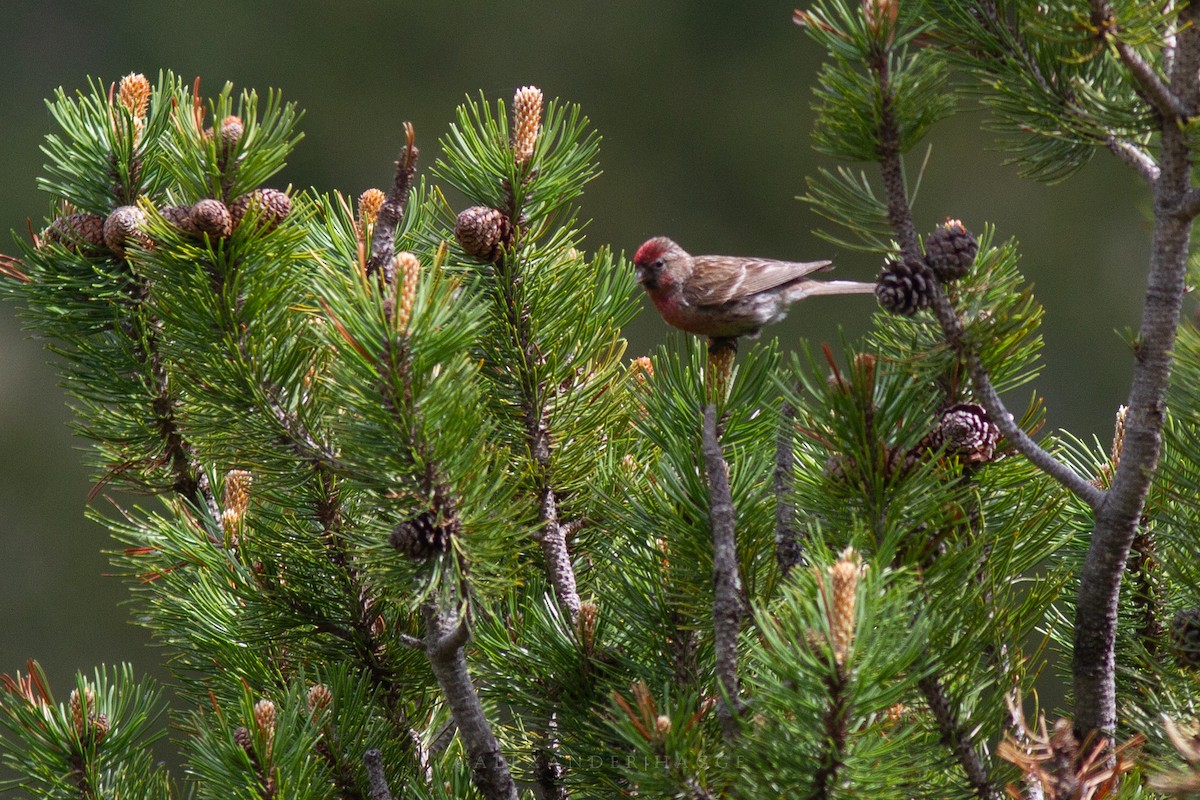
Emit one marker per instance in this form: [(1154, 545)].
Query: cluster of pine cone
[(906, 285), (125, 225)]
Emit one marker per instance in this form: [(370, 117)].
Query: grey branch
[(445, 635), (727, 583), (788, 551), (1135, 157), (1093, 655), (985, 392), (1165, 101), (373, 761)]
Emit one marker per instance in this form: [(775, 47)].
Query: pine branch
[(383, 240), (727, 583), (958, 739), (445, 636), (1118, 517)]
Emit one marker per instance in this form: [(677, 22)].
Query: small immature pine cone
[(76, 232), (950, 251), (483, 232), (99, 727), (212, 217), (968, 432), (264, 718), (124, 225), (1185, 636), (81, 708), (589, 615), (422, 536), (318, 698), (234, 502), (270, 206), (905, 287), (407, 269), (844, 575), (134, 94), (527, 120), (369, 203)]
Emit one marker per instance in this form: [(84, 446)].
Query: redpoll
[(727, 296)]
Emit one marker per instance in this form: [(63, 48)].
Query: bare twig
[(958, 739), (383, 240), (1164, 100), (727, 583), (1135, 157)]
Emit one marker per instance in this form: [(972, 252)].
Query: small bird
[(724, 297)]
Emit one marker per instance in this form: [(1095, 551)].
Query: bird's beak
[(641, 274)]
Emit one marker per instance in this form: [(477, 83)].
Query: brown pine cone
[(77, 232), (950, 251), (269, 206), (905, 287), (483, 232), (967, 431), (125, 225), (212, 217), (180, 217), (422, 536)]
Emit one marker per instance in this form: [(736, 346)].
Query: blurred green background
[(704, 113)]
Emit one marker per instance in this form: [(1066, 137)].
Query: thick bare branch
[(445, 634), (727, 582)]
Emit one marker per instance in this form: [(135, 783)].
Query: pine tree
[(410, 522)]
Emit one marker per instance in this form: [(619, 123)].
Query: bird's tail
[(813, 288)]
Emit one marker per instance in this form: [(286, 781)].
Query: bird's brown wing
[(714, 282)]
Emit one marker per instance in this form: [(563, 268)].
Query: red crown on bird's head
[(651, 250)]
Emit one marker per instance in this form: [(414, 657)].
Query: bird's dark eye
[(658, 265)]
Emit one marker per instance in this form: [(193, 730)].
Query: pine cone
[(180, 217), (212, 217), (1185, 636), (76, 232), (269, 206), (950, 251), (422, 537), (967, 431), (905, 287), (124, 226), (483, 232)]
